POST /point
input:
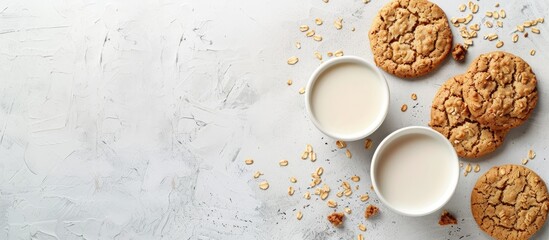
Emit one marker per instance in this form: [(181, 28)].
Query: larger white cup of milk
[(415, 171), (347, 98)]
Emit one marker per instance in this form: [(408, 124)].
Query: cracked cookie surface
[(409, 38), (451, 117), (510, 202), (500, 90)]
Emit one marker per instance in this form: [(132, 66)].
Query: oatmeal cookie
[(500, 90), (451, 117), (510, 202), (409, 38)]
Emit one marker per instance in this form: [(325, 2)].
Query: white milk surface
[(346, 98), (414, 172)]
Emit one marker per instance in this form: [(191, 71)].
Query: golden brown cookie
[(450, 116), (500, 90), (510, 202), (409, 38)]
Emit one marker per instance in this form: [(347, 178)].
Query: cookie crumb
[(414, 96), (249, 161), (299, 215), (336, 218), (371, 211), (446, 219), (289, 82), (459, 52), (404, 108), (359, 237)]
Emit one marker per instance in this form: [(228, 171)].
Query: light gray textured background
[(132, 119)]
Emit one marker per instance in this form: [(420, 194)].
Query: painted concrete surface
[(132, 119)]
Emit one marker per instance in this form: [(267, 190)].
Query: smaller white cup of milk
[(347, 98), (415, 171)]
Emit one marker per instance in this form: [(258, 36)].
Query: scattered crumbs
[(371, 211), (524, 161), (299, 215), (336, 218), (364, 197), (249, 161), (414, 96), (303, 28), (257, 174), (532, 52), (332, 203), (355, 178), (446, 219), (283, 163), (293, 180), (458, 53), (289, 82), (362, 227), (302, 90), (404, 108), (359, 237)]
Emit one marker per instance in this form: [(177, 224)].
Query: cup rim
[(404, 132), (385, 101)]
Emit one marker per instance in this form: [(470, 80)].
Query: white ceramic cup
[(453, 178), (384, 101)]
